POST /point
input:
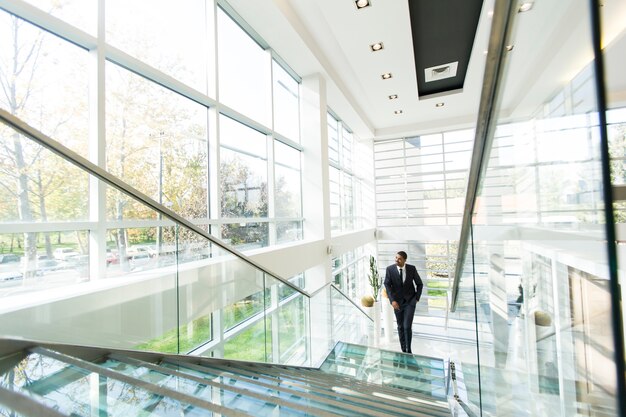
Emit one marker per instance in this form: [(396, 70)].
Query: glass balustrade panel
[(536, 275)]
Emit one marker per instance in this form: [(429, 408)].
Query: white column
[(316, 194)]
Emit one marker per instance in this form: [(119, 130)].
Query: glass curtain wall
[(149, 125), (195, 296), (142, 103), (181, 127), (345, 183), (536, 277), (420, 192)]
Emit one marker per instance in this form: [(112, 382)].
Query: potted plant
[(370, 301), (367, 301), (374, 278)]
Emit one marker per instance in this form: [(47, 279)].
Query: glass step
[(359, 391), (119, 385), (238, 398), (420, 374), (72, 390), (322, 398)]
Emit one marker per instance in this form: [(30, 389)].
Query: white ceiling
[(332, 38)]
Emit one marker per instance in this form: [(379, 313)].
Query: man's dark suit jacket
[(410, 292)]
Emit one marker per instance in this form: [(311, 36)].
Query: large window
[(44, 82), (286, 103), (342, 177), (140, 103), (244, 71), (156, 142), (349, 270), (288, 193), (243, 186), (150, 33), (421, 180)]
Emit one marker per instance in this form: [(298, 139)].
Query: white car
[(63, 253), (10, 277), (139, 260)]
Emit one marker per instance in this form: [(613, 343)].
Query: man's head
[(401, 258)]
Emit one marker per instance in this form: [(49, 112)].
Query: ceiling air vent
[(441, 72)]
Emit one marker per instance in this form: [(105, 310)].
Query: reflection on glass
[(540, 298)]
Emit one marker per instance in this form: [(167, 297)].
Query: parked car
[(10, 277), (40, 266), (112, 257), (47, 265), (135, 250), (138, 260), (8, 258), (63, 253)]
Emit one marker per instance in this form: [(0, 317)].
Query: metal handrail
[(86, 165), (501, 28), (330, 284)]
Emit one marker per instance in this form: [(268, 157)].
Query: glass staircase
[(420, 374), (64, 380)]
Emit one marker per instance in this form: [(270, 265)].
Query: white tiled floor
[(431, 338)]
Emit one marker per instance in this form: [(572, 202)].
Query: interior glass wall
[(536, 277)]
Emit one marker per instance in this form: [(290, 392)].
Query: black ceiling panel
[(443, 32)]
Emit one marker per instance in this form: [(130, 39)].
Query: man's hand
[(395, 305)]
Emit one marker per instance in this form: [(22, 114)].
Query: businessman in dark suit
[(404, 289)]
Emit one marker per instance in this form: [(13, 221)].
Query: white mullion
[(133, 64), (36, 227), (271, 172), (271, 192), (47, 22), (97, 152)]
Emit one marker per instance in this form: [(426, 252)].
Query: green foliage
[(374, 278), (250, 345), (191, 336)]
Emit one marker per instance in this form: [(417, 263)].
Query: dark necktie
[(401, 278)]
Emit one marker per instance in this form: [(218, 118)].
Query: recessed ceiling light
[(377, 46), (440, 104), (526, 6), (510, 47), (485, 52), (490, 13), (386, 76), (393, 97), (398, 112), (362, 3)]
